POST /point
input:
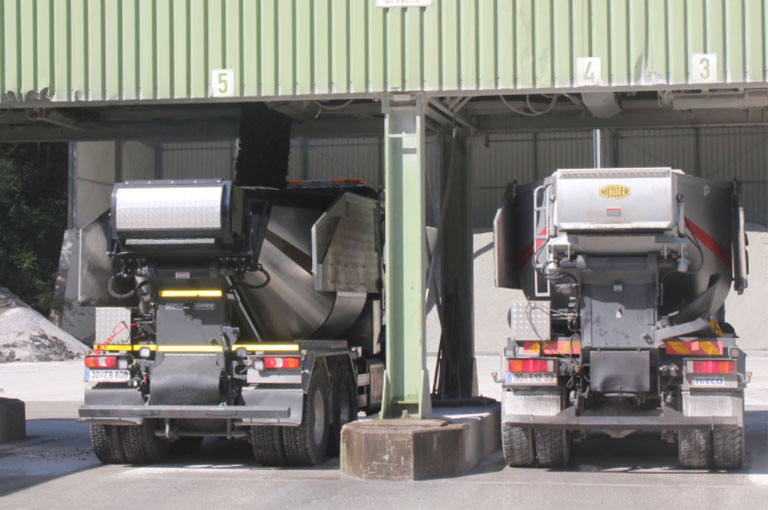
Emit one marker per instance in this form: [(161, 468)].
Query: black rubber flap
[(185, 379), (620, 371)]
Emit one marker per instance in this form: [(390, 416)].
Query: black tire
[(344, 406), (307, 444), (142, 446), (553, 448), (267, 445), (728, 448), (517, 445), (187, 445), (107, 444), (694, 448)]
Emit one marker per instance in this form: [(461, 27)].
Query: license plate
[(532, 379), (115, 376)]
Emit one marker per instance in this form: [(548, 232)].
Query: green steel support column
[(406, 380)]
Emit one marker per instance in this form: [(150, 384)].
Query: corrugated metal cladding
[(198, 160), (717, 153), (346, 158), (500, 159), (164, 50)]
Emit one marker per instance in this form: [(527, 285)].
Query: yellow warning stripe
[(122, 347), (265, 347), (190, 293), (260, 347), (563, 347), (698, 348)]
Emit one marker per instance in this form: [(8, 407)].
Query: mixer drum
[(288, 306)]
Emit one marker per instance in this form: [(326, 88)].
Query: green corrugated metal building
[(73, 51)]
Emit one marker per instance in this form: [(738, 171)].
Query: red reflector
[(529, 365), (713, 367), (283, 363), (101, 361)]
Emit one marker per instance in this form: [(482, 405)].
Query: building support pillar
[(406, 380)]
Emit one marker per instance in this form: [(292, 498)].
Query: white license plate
[(115, 376), (535, 379)]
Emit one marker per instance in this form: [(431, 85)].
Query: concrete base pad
[(455, 440), (13, 424)]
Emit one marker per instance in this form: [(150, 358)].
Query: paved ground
[(54, 467)]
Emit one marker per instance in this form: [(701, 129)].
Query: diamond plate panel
[(113, 325), (529, 320)]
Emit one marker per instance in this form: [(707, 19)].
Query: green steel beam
[(406, 380)]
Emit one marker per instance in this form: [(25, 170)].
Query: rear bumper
[(262, 407), (667, 419), (540, 408)]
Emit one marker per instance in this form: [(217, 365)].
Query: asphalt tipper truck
[(237, 312), (624, 272)]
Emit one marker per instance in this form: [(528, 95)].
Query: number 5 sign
[(704, 68), (222, 83)]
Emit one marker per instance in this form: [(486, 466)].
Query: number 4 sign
[(704, 68), (588, 71), (222, 83)]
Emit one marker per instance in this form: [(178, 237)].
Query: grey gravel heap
[(25, 335)]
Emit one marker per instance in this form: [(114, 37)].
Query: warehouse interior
[(508, 138)]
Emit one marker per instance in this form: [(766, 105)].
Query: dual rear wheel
[(134, 444), (319, 432), (525, 446), (702, 449)]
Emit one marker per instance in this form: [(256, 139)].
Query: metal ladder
[(540, 235)]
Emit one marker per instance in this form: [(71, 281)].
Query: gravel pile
[(25, 335)]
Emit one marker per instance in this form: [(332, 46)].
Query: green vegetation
[(33, 216)]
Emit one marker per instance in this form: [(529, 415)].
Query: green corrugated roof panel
[(163, 50)]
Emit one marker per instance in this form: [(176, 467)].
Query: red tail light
[(713, 367), (101, 361), (531, 365), (287, 363)]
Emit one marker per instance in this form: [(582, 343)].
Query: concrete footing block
[(13, 423), (454, 441)]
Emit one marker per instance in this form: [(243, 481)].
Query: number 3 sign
[(222, 83), (704, 68)]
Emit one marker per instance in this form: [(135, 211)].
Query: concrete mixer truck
[(237, 312), (624, 273)]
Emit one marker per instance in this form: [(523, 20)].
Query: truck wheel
[(267, 445), (344, 406), (728, 448), (108, 443), (306, 444), (694, 448), (517, 444), (553, 447), (142, 446)]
